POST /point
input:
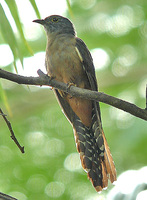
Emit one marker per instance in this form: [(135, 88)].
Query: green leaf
[(7, 32), (33, 3), (5, 100), (14, 11), (9, 35), (69, 9)]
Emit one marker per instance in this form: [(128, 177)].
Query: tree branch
[(6, 197), (11, 131), (146, 97), (43, 79)]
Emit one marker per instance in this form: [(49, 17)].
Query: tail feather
[(96, 161), (91, 143), (111, 171)]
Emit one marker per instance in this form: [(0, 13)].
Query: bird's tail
[(95, 155), (91, 143)]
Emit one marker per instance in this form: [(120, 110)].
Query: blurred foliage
[(8, 33), (50, 167)]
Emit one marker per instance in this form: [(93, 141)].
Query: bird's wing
[(94, 152), (65, 107), (107, 165), (88, 66)]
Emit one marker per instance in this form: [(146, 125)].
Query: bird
[(68, 60)]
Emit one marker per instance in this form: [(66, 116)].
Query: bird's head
[(57, 24)]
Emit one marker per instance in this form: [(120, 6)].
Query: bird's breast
[(62, 61), (64, 64)]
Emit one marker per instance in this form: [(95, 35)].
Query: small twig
[(11, 131), (6, 197), (146, 97)]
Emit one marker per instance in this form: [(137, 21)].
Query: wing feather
[(96, 160), (107, 165)]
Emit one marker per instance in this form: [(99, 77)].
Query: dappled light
[(120, 23), (64, 176), (45, 146), (127, 56), (18, 195), (118, 69), (143, 29), (141, 87), (87, 4), (7, 53), (123, 120), (115, 32), (127, 184), (35, 139), (36, 183), (82, 190), (32, 64), (6, 154), (72, 162), (101, 58), (55, 189), (54, 147), (142, 195)]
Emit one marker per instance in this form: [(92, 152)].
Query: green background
[(46, 170)]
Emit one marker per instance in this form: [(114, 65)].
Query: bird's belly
[(68, 68), (82, 108)]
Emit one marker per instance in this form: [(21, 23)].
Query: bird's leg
[(51, 78), (68, 88), (62, 94)]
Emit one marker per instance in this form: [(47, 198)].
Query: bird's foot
[(68, 88), (62, 94), (50, 80)]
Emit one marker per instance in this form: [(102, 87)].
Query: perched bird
[(68, 60)]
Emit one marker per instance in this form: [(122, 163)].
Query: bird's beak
[(39, 21)]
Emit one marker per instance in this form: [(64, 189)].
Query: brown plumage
[(68, 60)]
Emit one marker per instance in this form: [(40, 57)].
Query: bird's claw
[(50, 80), (68, 88)]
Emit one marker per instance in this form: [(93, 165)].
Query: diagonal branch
[(6, 197), (146, 97), (43, 79), (11, 131)]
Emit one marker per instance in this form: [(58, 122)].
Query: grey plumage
[(69, 60)]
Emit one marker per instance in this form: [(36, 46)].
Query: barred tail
[(91, 143), (96, 161), (111, 171)]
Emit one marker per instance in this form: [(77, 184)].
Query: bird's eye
[(54, 19)]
